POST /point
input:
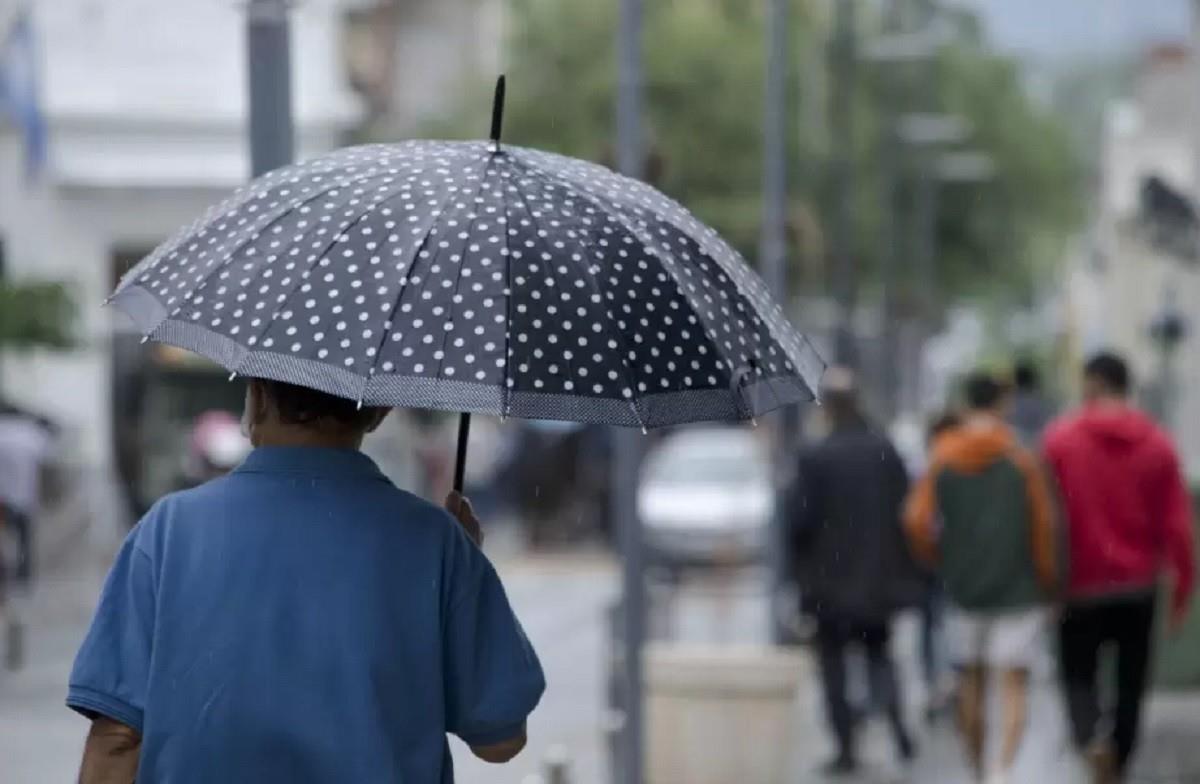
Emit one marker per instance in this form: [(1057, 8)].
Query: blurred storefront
[(136, 146)]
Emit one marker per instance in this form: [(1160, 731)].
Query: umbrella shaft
[(460, 463)]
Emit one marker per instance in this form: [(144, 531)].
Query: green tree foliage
[(704, 62), (35, 315)]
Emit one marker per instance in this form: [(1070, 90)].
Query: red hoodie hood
[(1116, 427)]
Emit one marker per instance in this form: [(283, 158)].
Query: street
[(562, 600)]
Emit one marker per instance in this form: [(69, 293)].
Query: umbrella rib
[(719, 253), (630, 372), (458, 279), (219, 265), (508, 300), (404, 286), (533, 222), (316, 261)]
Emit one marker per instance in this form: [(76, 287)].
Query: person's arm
[(920, 514), (504, 751), (1042, 534), (109, 680), (1179, 545), (803, 508), (110, 754), (493, 677)]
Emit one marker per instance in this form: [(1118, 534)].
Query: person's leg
[(23, 525), (885, 687), (831, 653), (1080, 634), (1133, 628), (972, 704), (1015, 695)]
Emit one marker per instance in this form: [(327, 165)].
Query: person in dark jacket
[(1129, 519), (1030, 411), (850, 559), (984, 516)]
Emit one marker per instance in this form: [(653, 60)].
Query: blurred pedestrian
[(301, 619), (216, 447), (25, 443), (1129, 516), (1031, 411), (850, 560), (938, 694), (983, 515)]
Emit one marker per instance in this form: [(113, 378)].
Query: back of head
[(984, 392), (839, 395), (1106, 375), (1025, 376), (277, 411), (941, 424)]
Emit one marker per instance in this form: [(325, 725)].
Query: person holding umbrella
[(303, 620)]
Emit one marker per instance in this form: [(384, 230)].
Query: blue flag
[(19, 90)]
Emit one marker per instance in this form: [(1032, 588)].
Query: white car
[(706, 497)]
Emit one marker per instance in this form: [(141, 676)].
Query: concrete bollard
[(720, 714), (556, 766)]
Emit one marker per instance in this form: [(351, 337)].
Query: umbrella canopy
[(467, 276)]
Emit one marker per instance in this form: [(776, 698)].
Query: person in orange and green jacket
[(983, 517)]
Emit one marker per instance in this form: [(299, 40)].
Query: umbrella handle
[(460, 465)]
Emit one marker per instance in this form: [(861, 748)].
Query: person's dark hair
[(1025, 376), (1110, 370), (983, 391), (299, 405), (946, 421)]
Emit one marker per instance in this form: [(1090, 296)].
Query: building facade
[(1127, 276), (144, 109)]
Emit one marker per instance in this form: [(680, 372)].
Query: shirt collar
[(313, 461)]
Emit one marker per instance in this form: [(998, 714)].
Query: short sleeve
[(113, 664), (493, 679)]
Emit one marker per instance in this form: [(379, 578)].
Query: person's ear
[(256, 407), (377, 420)]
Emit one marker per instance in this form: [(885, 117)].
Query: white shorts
[(1006, 640)]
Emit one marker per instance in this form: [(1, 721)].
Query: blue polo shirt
[(303, 620)]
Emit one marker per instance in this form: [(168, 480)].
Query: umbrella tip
[(233, 375), (145, 338), (360, 405), (497, 113)]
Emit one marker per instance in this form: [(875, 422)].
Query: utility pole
[(842, 58), (925, 219), (890, 257), (269, 70), (627, 447), (773, 264)]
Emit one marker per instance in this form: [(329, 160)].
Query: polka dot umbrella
[(475, 277)]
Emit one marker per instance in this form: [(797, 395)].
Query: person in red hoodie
[(1129, 519)]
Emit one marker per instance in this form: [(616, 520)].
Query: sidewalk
[(1169, 752)]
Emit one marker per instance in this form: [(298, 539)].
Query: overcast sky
[(1049, 27)]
